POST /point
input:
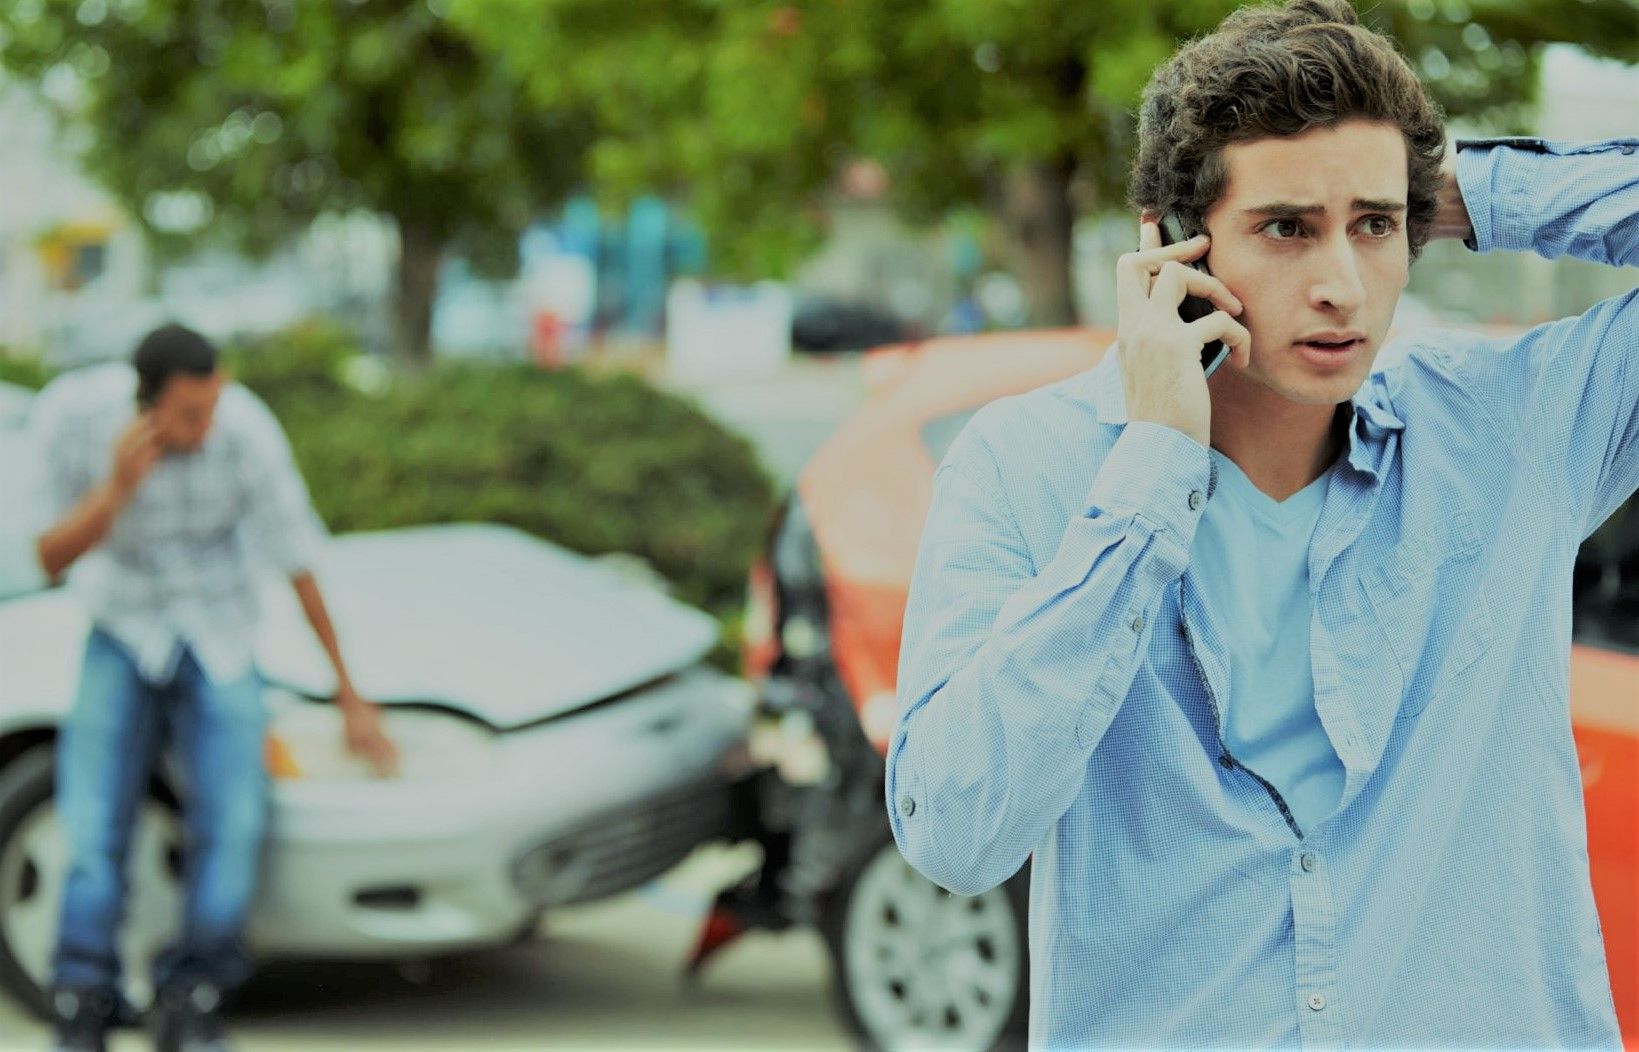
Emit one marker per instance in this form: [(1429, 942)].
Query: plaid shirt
[(180, 565), (1062, 681)]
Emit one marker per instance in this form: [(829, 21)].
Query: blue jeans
[(105, 760)]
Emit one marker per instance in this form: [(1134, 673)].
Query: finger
[(369, 749), (1177, 281), (1132, 284), (1156, 256), (1149, 232), (145, 447), (1220, 326)]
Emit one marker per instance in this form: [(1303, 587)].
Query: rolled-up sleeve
[(280, 523), (1010, 675), (1565, 394)]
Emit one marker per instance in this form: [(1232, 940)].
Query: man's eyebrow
[(1296, 210), (1368, 204)]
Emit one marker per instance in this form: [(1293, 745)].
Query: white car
[(561, 740)]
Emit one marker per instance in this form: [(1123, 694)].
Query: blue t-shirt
[(1250, 559)]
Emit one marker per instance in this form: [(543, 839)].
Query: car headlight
[(305, 740)]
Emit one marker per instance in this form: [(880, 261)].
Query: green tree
[(1480, 57), (277, 111), (751, 107)]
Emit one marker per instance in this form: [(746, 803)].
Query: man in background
[(170, 490)]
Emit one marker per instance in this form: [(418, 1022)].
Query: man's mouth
[(1331, 347), (1340, 340)]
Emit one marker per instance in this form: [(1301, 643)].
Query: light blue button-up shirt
[(1059, 681)]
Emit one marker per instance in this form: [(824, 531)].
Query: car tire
[(975, 993), (33, 863)]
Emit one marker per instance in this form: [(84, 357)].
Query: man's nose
[(1337, 285)]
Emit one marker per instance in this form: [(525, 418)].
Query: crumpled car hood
[(484, 620)]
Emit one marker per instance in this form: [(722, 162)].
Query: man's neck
[(1281, 446)]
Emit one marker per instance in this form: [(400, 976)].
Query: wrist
[(1189, 429), (118, 491)]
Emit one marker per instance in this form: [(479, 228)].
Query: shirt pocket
[(1426, 602)]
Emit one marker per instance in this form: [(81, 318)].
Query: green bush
[(594, 463), (298, 369)]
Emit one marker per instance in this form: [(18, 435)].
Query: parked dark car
[(824, 325)]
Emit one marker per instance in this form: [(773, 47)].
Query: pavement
[(603, 977), (786, 413)]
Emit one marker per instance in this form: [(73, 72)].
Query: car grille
[(621, 850)]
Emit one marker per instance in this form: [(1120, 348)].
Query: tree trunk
[(415, 286), (1039, 220)]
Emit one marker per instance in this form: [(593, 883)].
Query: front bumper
[(576, 808)]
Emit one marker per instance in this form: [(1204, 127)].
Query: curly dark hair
[(1278, 71)]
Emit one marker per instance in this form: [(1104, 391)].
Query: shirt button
[(1307, 862), (1196, 497), (1137, 623), (1628, 149), (1317, 1001), (907, 806)]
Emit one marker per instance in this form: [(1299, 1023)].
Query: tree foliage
[(267, 113), (462, 119), (751, 107)]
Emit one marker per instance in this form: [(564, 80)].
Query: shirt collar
[(1374, 419)]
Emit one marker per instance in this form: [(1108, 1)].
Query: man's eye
[(1378, 226), (1283, 229)]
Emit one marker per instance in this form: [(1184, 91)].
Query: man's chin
[(1325, 387)]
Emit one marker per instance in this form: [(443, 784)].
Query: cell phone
[(1194, 307)]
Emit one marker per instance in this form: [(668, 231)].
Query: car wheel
[(34, 865), (918, 967)]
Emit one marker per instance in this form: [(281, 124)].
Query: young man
[(1267, 673), (170, 478)]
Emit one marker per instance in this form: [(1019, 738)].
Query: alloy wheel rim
[(928, 969), (34, 866)]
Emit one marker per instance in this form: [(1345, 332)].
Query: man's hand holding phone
[(136, 452), (1161, 368)]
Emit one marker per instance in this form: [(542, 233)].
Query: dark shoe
[(81, 1018), (185, 1020)]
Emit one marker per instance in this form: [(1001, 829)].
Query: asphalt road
[(603, 976)]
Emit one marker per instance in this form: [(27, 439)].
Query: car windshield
[(937, 435)]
